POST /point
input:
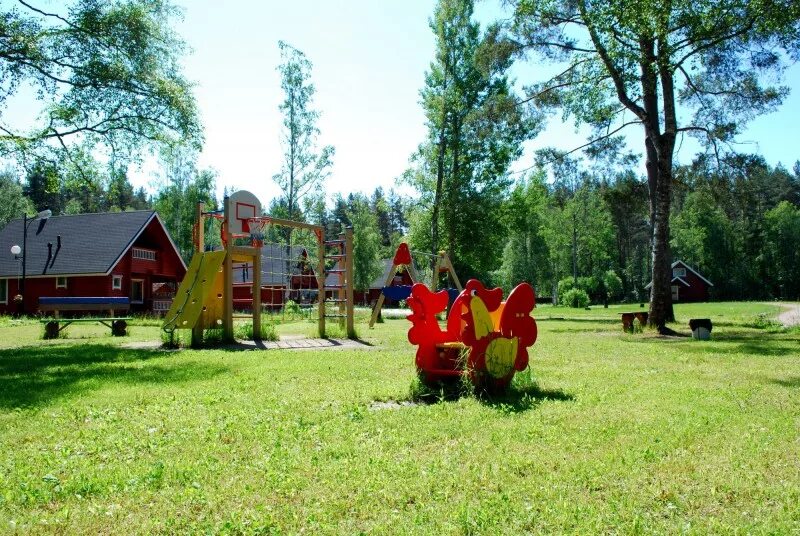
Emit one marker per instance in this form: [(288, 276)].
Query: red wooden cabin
[(115, 254), (687, 284)]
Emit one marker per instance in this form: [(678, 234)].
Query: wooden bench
[(57, 305), (627, 319)]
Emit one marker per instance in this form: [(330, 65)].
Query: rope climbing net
[(287, 275)]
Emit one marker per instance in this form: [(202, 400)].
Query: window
[(679, 272), (674, 293), (144, 254), (116, 282), (3, 290), (61, 282), (137, 291)]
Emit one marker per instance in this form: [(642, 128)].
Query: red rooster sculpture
[(494, 335)]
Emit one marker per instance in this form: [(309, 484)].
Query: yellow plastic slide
[(199, 297)]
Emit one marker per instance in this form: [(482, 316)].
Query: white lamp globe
[(16, 250)]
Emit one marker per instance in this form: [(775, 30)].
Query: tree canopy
[(304, 167), (105, 74), (475, 132), (673, 68)]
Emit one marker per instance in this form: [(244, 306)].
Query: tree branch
[(605, 136), (616, 76)]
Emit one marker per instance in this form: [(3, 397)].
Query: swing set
[(403, 261)]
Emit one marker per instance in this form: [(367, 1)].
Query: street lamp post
[(15, 249)]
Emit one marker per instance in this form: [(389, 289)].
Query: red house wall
[(697, 291), (166, 268), (46, 286)]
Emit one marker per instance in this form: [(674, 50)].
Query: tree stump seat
[(627, 319)]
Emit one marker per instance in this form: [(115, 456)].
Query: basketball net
[(257, 232)]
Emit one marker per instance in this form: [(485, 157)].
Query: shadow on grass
[(35, 376), (521, 396), (759, 343), (588, 320), (517, 400), (792, 381), (290, 344)]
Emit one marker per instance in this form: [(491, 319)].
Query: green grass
[(611, 433)]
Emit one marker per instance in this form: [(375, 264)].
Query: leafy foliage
[(181, 189), (304, 168), (673, 68), (366, 245), (475, 131), (576, 298), (107, 75)]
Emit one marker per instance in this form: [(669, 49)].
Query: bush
[(612, 284), (576, 297), (291, 309), (564, 286), (590, 285)]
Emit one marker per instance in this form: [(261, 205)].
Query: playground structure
[(485, 338), (205, 298), (403, 261)]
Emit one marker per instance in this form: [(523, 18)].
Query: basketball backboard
[(243, 205)]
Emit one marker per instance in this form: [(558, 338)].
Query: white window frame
[(4, 295), (675, 293), (144, 254), (133, 284), (61, 282), (679, 271), (116, 282)]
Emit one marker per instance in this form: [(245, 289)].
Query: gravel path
[(791, 316)]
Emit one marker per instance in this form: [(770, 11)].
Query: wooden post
[(227, 278), (321, 281), (257, 294), (379, 304), (412, 272), (452, 272), (199, 246), (341, 294), (348, 267)]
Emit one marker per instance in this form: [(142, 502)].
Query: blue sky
[(369, 62)]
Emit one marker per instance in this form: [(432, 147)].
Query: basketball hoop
[(257, 234)]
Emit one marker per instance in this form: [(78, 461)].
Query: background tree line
[(574, 221)]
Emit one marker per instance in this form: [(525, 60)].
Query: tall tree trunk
[(661, 310), (293, 141), (454, 187), (437, 196), (574, 251), (659, 180), (442, 146)]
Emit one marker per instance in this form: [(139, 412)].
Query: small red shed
[(108, 254), (687, 284)]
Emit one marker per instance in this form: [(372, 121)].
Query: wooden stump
[(51, 330), (119, 328)]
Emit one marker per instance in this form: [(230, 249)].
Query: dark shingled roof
[(90, 243), (332, 279)]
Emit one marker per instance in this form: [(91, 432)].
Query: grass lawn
[(616, 433)]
